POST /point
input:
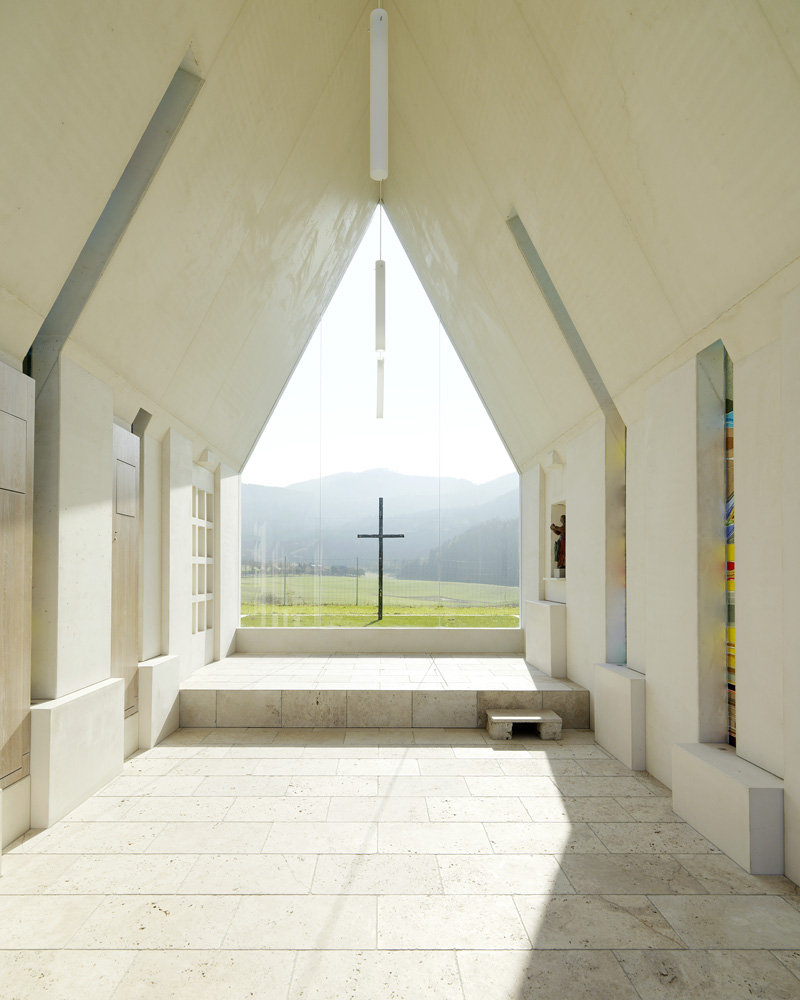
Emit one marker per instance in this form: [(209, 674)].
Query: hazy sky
[(434, 422)]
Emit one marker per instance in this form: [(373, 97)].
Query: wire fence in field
[(353, 586)]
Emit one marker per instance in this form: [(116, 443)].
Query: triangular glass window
[(314, 480)]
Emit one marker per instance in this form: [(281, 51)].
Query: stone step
[(330, 708), (500, 722)]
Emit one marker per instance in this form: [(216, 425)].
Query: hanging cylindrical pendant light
[(379, 95), (380, 307), (380, 389)]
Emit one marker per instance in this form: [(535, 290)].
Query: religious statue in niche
[(561, 543)]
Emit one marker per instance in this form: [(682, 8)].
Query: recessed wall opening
[(313, 487)]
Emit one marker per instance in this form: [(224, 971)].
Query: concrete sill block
[(619, 713), (546, 637), (736, 805), (159, 687), (77, 746), (369, 641)]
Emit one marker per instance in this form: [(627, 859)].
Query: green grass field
[(328, 601)]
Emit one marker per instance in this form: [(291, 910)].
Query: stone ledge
[(367, 709), (546, 637), (619, 713), (77, 746), (367, 641), (736, 805), (159, 688)]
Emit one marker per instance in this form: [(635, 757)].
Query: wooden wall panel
[(125, 567), (16, 520)]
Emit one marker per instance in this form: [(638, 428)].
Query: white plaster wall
[(72, 596), (150, 548), (685, 613), (44, 621), (586, 554), (790, 378), (176, 548), (759, 559), (636, 544), (227, 558), (533, 550)]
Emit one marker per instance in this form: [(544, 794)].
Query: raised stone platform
[(426, 691)]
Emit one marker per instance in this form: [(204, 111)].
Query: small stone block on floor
[(500, 721)]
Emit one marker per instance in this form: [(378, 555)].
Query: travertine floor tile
[(166, 810), (634, 873), (712, 975), (322, 838), (432, 838), (156, 922), (384, 767), (543, 838), (621, 787), (477, 809), (28, 874), (284, 808), (719, 874), (303, 922), (399, 975), (654, 838), (441, 786), (210, 838), (732, 921), (349, 864), (386, 809), (250, 874), (581, 921), (95, 838), (534, 786), (43, 922), (542, 975), (106, 874), (221, 975), (378, 874), (574, 809), (67, 975), (446, 922), (501, 873)]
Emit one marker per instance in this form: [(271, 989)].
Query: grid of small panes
[(202, 560)]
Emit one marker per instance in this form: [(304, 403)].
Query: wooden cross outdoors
[(380, 536)]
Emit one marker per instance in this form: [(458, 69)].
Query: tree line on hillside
[(486, 553)]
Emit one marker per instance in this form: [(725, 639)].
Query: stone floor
[(376, 673), (386, 865)]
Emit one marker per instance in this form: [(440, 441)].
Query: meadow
[(313, 600)]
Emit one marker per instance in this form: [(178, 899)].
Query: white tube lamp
[(380, 307), (379, 94), (380, 326), (380, 389)]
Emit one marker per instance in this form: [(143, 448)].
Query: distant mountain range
[(285, 522)]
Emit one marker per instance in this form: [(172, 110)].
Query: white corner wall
[(227, 557), (685, 567), (636, 543), (790, 538), (532, 549), (758, 551), (595, 581), (176, 548), (71, 646), (150, 582)]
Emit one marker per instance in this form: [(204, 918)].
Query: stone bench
[(499, 722)]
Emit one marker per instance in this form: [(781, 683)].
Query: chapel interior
[(601, 201)]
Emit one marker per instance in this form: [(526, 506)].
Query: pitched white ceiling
[(649, 148)]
